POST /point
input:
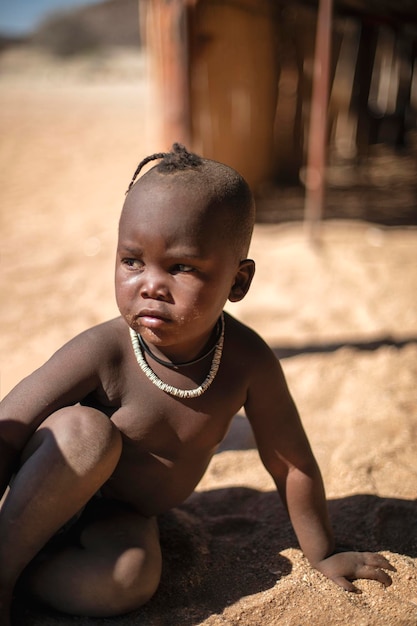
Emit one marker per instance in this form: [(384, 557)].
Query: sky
[(20, 17)]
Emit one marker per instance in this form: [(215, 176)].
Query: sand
[(342, 316)]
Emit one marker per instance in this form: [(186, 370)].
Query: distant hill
[(6, 41), (112, 23)]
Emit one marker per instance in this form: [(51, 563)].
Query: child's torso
[(167, 442)]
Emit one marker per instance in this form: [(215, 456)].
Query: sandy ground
[(342, 315)]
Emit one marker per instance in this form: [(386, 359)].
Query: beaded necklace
[(176, 366), (170, 389)]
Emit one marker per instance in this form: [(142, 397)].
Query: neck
[(201, 355), (170, 389)]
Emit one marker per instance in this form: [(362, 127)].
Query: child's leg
[(115, 568), (64, 463)]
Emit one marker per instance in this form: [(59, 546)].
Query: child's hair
[(228, 188), (178, 159)]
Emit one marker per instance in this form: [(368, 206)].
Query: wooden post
[(213, 78), (317, 139), (165, 26), (233, 86)]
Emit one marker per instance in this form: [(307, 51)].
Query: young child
[(121, 423)]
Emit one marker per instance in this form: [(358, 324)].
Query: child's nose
[(154, 285)]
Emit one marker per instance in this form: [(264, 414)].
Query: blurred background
[(240, 81), (87, 89)]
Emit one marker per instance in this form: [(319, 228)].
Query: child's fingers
[(345, 567), (367, 572), (346, 584), (374, 573), (377, 560)]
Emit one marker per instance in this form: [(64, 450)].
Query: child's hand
[(343, 567)]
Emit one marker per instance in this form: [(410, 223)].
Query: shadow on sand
[(235, 535)]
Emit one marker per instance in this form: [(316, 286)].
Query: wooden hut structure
[(240, 80)]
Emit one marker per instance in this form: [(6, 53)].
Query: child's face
[(174, 271)]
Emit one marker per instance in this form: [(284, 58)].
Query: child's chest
[(153, 419)]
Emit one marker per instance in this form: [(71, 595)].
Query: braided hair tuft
[(178, 159)]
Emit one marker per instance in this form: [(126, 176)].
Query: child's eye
[(182, 268), (132, 263)]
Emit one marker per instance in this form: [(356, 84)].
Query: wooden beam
[(166, 36), (317, 138)]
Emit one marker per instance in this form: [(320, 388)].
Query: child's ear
[(242, 280)]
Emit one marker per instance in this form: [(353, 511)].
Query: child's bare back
[(121, 423)]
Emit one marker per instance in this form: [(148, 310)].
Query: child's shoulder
[(246, 342), (104, 341), (112, 329)]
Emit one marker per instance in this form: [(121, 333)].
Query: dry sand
[(343, 317)]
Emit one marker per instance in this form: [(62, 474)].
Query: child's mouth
[(151, 319)]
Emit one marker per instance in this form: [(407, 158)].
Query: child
[(121, 423)]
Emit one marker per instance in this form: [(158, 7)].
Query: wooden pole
[(166, 36), (317, 138)]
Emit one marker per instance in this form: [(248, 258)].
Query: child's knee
[(82, 435), (89, 428)]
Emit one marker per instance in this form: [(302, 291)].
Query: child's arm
[(66, 378), (286, 453)]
